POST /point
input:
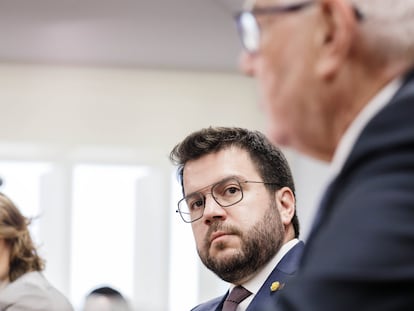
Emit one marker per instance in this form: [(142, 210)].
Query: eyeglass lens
[(249, 31), (225, 193)]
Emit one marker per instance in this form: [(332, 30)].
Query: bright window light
[(103, 220), (184, 260), (21, 183)]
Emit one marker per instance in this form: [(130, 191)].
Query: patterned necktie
[(237, 295)]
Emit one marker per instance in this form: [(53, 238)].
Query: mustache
[(219, 226)]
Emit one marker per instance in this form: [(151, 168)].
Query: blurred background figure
[(106, 299), (22, 285)]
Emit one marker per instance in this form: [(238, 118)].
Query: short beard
[(259, 245)]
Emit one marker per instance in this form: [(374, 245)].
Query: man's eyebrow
[(237, 177), (200, 189)]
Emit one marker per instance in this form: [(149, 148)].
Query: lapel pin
[(276, 286)]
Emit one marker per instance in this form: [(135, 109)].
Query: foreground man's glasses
[(249, 30), (226, 192)]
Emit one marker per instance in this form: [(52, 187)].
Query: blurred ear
[(285, 204), (334, 37)]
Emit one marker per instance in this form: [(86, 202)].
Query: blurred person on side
[(22, 284), (239, 197), (106, 298), (336, 79)]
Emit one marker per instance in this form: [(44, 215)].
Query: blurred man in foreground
[(337, 83)]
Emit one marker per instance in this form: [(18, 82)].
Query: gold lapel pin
[(276, 286)]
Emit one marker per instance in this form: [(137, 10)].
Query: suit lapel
[(376, 134), (285, 269)]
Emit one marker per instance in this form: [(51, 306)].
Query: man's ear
[(335, 34), (286, 204)]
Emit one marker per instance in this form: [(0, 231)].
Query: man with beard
[(239, 198)]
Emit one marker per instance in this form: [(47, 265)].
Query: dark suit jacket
[(265, 298), (360, 255)]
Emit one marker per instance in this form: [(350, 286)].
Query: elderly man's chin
[(276, 135)]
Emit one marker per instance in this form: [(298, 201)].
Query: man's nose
[(212, 210), (246, 63)]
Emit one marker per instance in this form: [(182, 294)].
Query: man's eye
[(231, 190), (196, 205)]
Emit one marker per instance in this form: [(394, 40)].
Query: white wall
[(148, 110), (69, 114)]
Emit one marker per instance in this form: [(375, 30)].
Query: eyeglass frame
[(275, 9), (203, 195)]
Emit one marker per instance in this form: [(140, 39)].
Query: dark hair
[(116, 299), (106, 291), (14, 230), (267, 158)]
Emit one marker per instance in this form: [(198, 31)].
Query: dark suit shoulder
[(361, 255)]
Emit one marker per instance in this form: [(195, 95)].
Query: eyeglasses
[(248, 27), (226, 192)]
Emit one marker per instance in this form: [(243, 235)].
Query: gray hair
[(388, 27)]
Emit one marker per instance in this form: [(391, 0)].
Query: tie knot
[(237, 295)]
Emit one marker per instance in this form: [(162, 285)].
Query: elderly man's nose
[(246, 63)]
